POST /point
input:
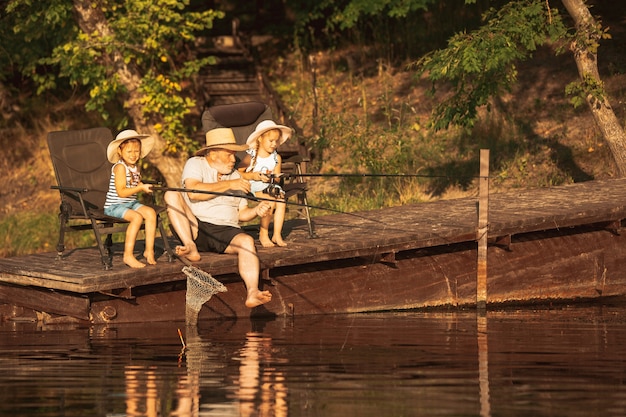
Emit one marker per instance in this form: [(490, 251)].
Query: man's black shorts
[(215, 238)]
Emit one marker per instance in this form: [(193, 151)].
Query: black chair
[(243, 118), (82, 172)]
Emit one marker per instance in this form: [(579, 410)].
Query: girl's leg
[(264, 234), (279, 219), (135, 220), (150, 221)]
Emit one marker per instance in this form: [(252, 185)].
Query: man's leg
[(184, 223), (248, 261)]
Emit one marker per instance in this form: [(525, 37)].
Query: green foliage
[(328, 22), (155, 37), (481, 64), (346, 14), (29, 30), (590, 88), (588, 38), (355, 10), (162, 96)]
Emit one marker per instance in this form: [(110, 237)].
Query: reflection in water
[(187, 395), (561, 362), (141, 388), (483, 364), (262, 391), (146, 397)]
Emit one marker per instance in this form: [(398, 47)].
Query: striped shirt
[(133, 177)]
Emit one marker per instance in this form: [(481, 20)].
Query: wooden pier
[(546, 245)]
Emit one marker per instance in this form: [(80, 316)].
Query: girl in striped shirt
[(121, 199)]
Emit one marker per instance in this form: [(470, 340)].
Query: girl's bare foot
[(131, 261), (192, 254), (257, 297), (280, 242), (266, 243), (149, 257)]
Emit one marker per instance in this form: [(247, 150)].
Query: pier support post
[(481, 234)]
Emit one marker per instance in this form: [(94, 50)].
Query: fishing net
[(201, 286)]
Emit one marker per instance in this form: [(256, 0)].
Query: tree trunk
[(92, 21), (587, 62)]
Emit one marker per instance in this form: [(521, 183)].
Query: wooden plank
[(48, 301)]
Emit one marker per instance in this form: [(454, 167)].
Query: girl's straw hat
[(264, 126), (147, 143), (221, 138)]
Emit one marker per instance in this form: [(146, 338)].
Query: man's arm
[(249, 213), (219, 187)]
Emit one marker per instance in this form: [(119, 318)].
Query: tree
[(481, 64), (584, 46), (134, 52)]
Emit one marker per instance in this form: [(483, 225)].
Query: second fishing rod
[(252, 197)]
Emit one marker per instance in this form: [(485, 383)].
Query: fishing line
[(365, 175), (252, 197), (259, 199)]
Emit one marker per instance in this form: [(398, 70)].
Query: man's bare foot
[(131, 261), (280, 242), (266, 243), (257, 297), (192, 254), (149, 255)]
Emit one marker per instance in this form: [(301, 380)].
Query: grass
[(30, 232)]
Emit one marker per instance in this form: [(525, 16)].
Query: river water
[(565, 361)]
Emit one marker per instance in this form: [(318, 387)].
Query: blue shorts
[(118, 210)]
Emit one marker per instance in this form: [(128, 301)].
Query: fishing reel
[(275, 187), (275, 191)]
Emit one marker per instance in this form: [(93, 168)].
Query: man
[(206, 222)]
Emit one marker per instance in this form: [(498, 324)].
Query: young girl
[(121, 200), (264, 159)]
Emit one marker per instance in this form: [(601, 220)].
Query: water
[(567, 361)]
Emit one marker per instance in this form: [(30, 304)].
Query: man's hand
[(263, 209), (239, 185)]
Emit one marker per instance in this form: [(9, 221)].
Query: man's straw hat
[(221, 138)]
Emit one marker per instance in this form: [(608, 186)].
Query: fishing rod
[(252, 197), (290, 175), (360, 175)]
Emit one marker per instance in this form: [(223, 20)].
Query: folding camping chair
[(242, 118), (82, 172)]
